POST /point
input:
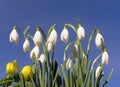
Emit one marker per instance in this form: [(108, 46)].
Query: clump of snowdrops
[(76, 71)]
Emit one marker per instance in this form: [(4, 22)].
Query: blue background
[(103, 14)]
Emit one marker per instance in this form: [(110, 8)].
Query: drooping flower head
[(53, 37), (42, 58), (65, 35), (80, 32), (105, 57), (35, 52), (14, 36), (98, 70), (26, 45), (37, 37), (99, 40)]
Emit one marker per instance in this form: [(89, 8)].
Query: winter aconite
[(27, 72)]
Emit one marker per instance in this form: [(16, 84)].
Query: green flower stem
[(90, 40), (66, 48), (95, 60), (64, 76), (72, 27), (25, 31)]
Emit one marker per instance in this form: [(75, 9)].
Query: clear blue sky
[(103, 14)]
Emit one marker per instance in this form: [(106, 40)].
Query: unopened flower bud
[(98, 71), (69, 64), (27, 72), (26, 45), (99, 40), (105, 57), (65, 35), (14, 37), (81, 32), (37, 37)]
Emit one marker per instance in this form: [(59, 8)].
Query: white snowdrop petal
[(49, 47), (98, 70), (37, 52), (42, 58), (37, 37), (105, 57), (99, 40), (53, 36), (26, 45), (14, 37), (65, 35), (81, 32)]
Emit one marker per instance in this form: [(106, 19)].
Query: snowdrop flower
[(105, 57), (74, 51), (81, 32), (35, 53), (42, 58), (99, 40), (65, 35), (97, 72), (26, 45), (14, 37), (69, 64), (49, 46), (53, 37), (37, 37)]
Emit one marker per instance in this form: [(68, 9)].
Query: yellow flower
[(27, 72), (11, 67)]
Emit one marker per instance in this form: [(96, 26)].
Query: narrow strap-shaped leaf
[(90, 40), (64, 76), (109, 76), (66, 48)]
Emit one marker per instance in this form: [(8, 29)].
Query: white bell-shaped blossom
[(65, 35), (99, 41), (74, 51), (49, 46), (42, 58), (14, 37), (35, 52), (53, 37), (81, 32), (69, 63), (105, 57), (97, 72), (37, 37), (26, 45)]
